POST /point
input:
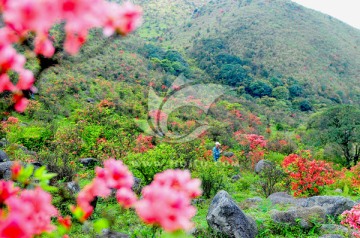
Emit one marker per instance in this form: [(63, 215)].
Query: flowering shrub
[(308, 175), (11, 121), (254, 146), (283, 145), (27, 18), (143, 143), (355, 170), (171, 193), (114, 175), (28, 212), (157, 116), (352, 219)]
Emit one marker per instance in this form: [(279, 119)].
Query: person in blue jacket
[(216, 151)]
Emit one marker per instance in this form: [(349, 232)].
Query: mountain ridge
[(285, 38)]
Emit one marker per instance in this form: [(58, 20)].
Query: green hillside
[(280, 38)]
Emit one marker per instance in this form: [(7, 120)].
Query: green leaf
[(42, 174), (78, 213), (26, 173), (48, 176), (48, 188), (39, 172), (101, 224)]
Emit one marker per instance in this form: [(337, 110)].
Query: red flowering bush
[(355, 170), (307, 175), (352, 219), (157, 116), (11, 121), (143, 143), (253, 146)]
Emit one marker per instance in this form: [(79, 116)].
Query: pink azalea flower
[(126, 197), (26, 80), (179, 180), (97, 188), (30, 15), (166, 207), (3, 4), (73, 43), (16, 167), (171, 193), (20, 103), (15, 226), (22, 17), (351, 218), (115, 174), (43, 46), (33, 207), (7, 190), (122, 19), (9, 59), (5, 83)]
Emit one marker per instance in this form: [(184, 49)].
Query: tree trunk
[(357, 154), (347, 156)]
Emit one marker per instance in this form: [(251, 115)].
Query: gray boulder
[(88, 162), (225, 217), (261, 165), (284, 198), (228, 154), (3, 156), (73, 187), (7, 175), (90, 100), (235, 177), (333, 228), (333, 205), (197, 201), (300, 216), (3, 142), (254, 199), (5, 170), (137, 187), (251, 203)]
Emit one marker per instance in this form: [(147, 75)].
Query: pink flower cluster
[(7, 190), (158, 115), (143, 143), (114, 175), (167, 200), (256, 141), (22, 17), (352, 218), (29, 213)]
